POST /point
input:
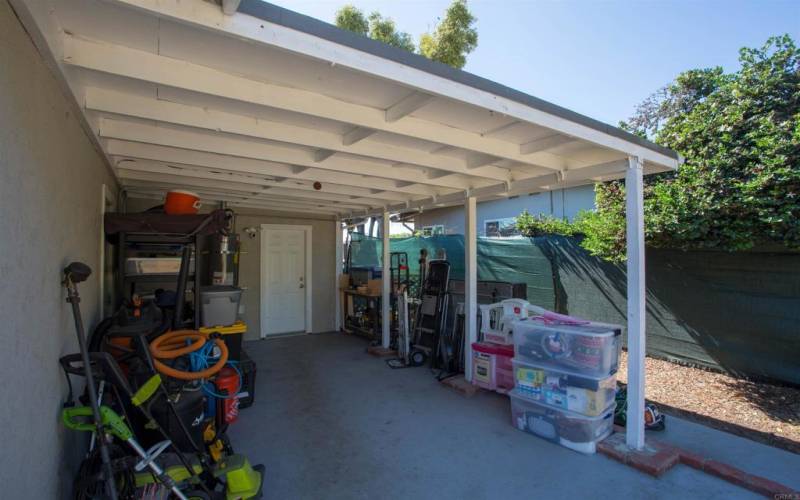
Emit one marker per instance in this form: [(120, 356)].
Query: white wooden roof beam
[(357, 134), (157, 193), (268, 34), (208, 193), (168, 154), (126, 104), (270, 186), (406, 106), (543, 182), (545, 143), (153, 68), (232, 188), (216, 143)]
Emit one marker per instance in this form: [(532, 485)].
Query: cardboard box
[(375, 287), (344, 281)]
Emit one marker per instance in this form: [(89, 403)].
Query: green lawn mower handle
[(79, 418)]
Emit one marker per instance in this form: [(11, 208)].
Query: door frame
[(264, 273)]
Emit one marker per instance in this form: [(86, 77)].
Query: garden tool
[(75, 273)]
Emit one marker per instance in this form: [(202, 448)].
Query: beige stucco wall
[(50, 200), (323, 238)]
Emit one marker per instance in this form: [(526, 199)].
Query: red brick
[(655, 459), (381, 351), (741, 478), (460, 385), (693, 460)]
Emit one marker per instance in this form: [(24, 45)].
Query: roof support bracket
[(356, 135), (407, 105)]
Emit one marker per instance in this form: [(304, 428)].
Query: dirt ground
[(763, 412)]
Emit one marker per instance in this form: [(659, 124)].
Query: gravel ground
[(763, 412)]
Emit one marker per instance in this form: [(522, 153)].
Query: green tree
[(352, 19), (383, 29), (454, 37), (450, 43), (740, 135)]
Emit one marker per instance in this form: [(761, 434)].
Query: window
[(432, 230), (500, 227)]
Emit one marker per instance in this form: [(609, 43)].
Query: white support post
[(338, 264), (386, 305), (470, 284), (634, 203)]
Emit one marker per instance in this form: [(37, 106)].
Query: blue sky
[(599, 58)]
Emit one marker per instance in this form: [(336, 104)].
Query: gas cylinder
[(227, 383)]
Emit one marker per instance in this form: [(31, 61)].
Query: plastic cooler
[(590, 349), (491, 366), (572, 430), (219, 305), (232, 336), (565, 390)]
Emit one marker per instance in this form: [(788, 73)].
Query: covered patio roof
[(255, 107), (260, 107)]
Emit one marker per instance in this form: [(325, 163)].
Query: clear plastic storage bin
[(565, 390), (572, 430), (590, 349), (219, 305)]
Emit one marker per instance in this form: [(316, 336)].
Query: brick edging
[(659, 457)]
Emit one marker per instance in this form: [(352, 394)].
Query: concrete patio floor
[(330, 421)]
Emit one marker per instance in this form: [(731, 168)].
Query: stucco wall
[(323, 238), (558, 203), (50, 200)]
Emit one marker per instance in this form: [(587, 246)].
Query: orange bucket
[(179, 202)]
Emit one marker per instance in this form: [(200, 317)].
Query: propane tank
[(227, 383)]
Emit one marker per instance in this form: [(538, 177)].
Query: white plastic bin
[(590, 349), (572, 430), (582, 394), (219, 305)]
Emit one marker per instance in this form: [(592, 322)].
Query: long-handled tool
[(75, 273)]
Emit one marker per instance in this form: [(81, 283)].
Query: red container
[(227, 383), (179, 202)]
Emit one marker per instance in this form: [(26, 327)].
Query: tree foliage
[(740, 184), (454, 37), (541, 225), (452, 40)]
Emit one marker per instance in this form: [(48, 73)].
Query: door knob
[(302, 285)]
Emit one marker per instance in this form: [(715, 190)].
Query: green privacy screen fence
[(735, 312), (511, 260)]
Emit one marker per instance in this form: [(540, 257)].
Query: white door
[(283, 298)]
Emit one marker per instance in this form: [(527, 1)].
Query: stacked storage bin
[(565, 379)]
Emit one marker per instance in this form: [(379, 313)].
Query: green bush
[(541, 225), (740, 184)]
